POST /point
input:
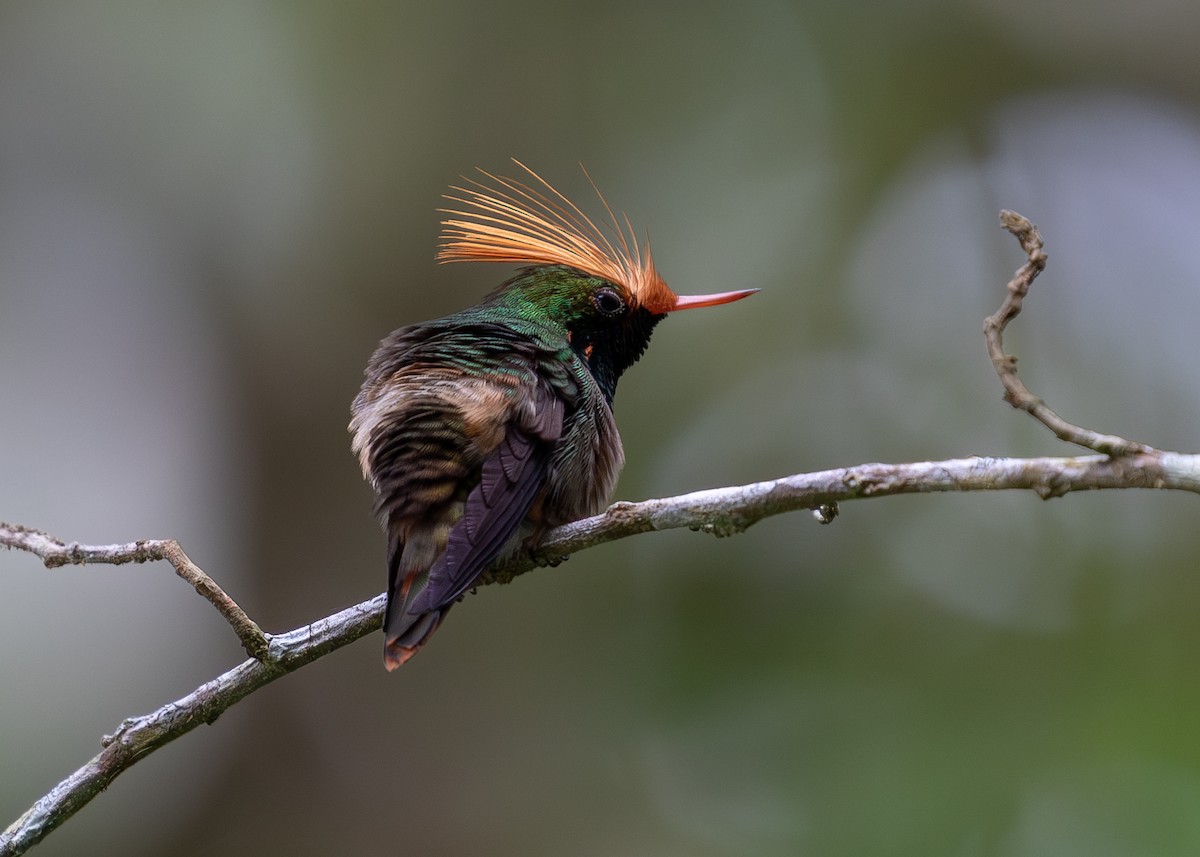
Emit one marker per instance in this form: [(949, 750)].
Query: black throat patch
[(610, 351)]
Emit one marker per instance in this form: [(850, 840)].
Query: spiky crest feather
[(511, 221)]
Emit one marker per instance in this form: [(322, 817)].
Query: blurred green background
[(210, 214)]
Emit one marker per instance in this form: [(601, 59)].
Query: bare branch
[(137, 737), (721, 511), (56, 553), (1015, 391)]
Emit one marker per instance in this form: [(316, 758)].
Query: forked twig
[(1015, 391), (720, 511), (56, 553)]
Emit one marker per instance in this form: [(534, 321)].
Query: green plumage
[(488, 426), (495, 423)]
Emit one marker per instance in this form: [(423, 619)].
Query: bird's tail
[(404, 632)]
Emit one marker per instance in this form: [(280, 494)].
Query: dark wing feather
[(509, 483)]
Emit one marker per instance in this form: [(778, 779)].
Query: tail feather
[(398, 649), (406, 632)]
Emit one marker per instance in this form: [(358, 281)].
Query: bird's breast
[(585, 466)]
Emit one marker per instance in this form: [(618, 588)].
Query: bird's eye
[(609, 302)]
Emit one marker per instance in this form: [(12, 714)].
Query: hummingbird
[(484, 429)]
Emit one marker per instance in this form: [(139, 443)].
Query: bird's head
[(600, 285)]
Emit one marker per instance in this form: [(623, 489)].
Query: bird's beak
[(697, 301)]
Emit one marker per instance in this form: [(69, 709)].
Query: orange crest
[(511, 221)]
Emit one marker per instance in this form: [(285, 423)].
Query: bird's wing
[(510, 479)]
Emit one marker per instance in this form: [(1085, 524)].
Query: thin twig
[(1015, 391), (137, 737), (56, 553), (720, 511)]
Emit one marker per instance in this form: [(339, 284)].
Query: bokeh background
[(209, 215)]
